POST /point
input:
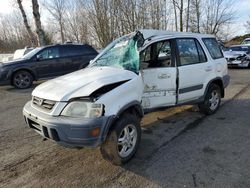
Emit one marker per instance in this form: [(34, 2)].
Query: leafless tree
[(39, 30), (187, 15), (57, 9), (247, 26), (99, 22), (12, 34), (76, 26), (25, 21), (195, 15), (218, 13)]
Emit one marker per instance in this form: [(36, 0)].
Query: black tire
[(22, 79), (212, 100), (111, 149)]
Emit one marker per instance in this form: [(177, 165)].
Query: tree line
[(98, 22)]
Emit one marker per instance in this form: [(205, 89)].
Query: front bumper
[(69, 132), (238, 63), (4, 77)]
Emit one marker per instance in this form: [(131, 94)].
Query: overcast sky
[(6, 6), (242, 8)]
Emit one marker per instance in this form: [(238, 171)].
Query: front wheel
[(123, 140), (22, 79), (212, 100)]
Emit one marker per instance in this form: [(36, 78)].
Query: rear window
[(190, 51), (213, 47)]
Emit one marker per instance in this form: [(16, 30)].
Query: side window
[(67, 51), (49, 53), (190, 51), (86, 50), (145, 55), (156, 55), (213, 48), (164, 54), (77, 50)]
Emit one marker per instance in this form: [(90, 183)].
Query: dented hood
[(233, 54), (81, 83)]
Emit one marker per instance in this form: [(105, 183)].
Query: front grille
[(231, 59), (43, 103)]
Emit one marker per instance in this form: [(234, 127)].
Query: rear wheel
[(212, 100), (123, 140), (22, 79)]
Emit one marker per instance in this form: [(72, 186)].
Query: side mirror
[(39, 57)]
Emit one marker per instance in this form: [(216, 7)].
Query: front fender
[(123, 96)]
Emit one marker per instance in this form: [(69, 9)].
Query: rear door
[(194, 69), (159, 75), (70, 57)]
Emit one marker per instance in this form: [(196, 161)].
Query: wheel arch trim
[(11, 74), (219, 82), (132, 105)]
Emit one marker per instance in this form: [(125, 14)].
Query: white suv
[(104, 103)]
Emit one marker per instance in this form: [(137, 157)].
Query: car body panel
[(159, 87)]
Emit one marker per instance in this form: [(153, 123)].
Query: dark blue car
[(45, 62)]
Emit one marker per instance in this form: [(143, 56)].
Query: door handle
[(164, 76), (208, 68)]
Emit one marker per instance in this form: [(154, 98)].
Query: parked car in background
[(103, 104), (246, 41), (6, 57), (45, 62), (21, 52), (238, 56)]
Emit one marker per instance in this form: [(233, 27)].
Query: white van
[(21, 52), (102, 105)]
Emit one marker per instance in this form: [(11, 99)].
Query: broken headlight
[(83, 109)]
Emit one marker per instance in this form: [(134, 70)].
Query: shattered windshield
[(122, 53)]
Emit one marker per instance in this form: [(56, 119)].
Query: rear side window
[(77, 50), (213, 48), (190, 51)]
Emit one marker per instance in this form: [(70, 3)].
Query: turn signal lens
[(95, 132)]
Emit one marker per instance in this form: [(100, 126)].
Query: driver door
[(159, 75), (48, 63)]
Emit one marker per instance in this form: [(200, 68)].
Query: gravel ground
[(180, 148)]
